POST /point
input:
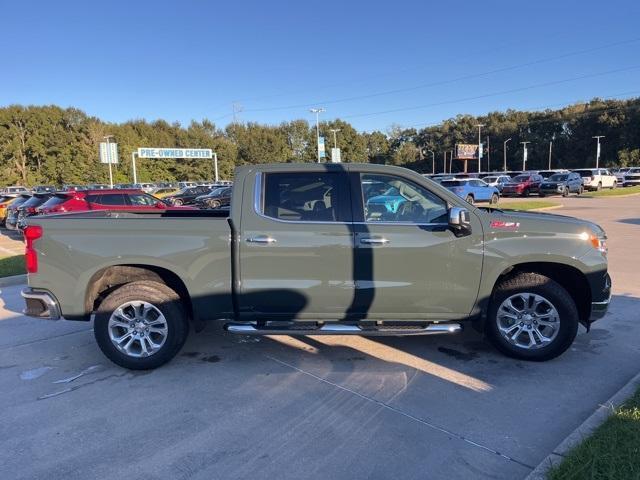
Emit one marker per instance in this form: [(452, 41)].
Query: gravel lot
[(311, 407)]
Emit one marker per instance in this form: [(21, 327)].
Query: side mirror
[(460, 221)]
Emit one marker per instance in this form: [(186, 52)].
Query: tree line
[(53, 145)]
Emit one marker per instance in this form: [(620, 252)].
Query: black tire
[(165, 300), (526, 192), (599, 187), (495, 198), (580, 190), (615, 185), (565, 192), (178, 202), (540, 194), (214, 204), (554, 293), (469, 199)]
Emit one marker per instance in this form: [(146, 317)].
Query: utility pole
[(107, 138), (335, 141), (451, 161), (524, 156), (550, 147), (444, 168), (317, 111), (215, 164), (237, 108), (433, 161), (134, 154), (598, 137), (480, 125), (504, 149), (488, 155)]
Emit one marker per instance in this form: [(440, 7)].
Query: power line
[(493, 94), (444, 82)]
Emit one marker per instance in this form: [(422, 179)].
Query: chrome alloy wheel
[(528, 320), (138, 329)]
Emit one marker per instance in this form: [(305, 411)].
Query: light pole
[(107, 138), (488, 155), (524, 156), (215, 164), (444, 168), (480, 125), (598, 137), (433, 161), (550, 147), (317, 111), (504, 149), (335, 141)]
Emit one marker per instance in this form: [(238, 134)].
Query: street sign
[(108, 152), (150, 152), (335, 155), (321, 151)]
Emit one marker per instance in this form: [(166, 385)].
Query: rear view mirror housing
[(460, 221)]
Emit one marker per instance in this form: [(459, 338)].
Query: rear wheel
[(469, 199), (532, 317), (580, 190), (541, 194), (141, 325), (526, 192), (178, 202), (599, 187), (494, 199), (565, 192), (214, 204), (615, 185)]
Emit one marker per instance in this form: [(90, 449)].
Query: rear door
[(296, 244), (410, 264)]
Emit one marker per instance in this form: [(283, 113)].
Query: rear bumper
[(41, 304)]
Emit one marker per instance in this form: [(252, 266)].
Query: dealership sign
[(148, 152), (466, 151)]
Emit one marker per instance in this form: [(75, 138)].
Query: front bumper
[(602, 297), (41, 304)]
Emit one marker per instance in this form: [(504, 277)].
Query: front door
[(296, 245), (410, 264)]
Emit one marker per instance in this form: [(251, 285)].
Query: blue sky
[(419, 61)]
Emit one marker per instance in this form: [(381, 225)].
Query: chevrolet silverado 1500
[(316, 249)]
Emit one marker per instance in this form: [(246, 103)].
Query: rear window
[(558, 177), (453, 183), (304, 196), (521, 178), (116, 199), (55, 200)]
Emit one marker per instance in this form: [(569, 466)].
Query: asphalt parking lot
[(311, 407)]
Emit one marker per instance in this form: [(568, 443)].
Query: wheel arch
[(570, 278), (107, 279)]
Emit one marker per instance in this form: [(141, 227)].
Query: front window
[(138, 199), (307, 197), (403, 201), (558, 177)]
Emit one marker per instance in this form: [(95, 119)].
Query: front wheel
[(141, 325), (580, 190), (615, 185), (565, 192), (531, 317), (178, 202), (599, 187), (469, 199)]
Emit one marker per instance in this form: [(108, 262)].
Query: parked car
[(497, 181), (71, 187), (548, 173), (145, 187), (5, 201), (11, 222), (126, 200), (43, 189), (218, 197), (186, 196), (125, 186), (619, 174), (597, 178), (98, 186), (301, 254), (15, 190), (632, 177), (523, 185), (183, 185), (29, 208), (473, 190), (562, 184)]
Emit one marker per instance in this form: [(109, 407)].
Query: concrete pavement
[(310, 407)]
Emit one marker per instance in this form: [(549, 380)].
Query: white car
[(632, 177), (497, 181), (597, 178), (145, 187), (619, 173)]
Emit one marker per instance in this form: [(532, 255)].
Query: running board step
[(341, 329)]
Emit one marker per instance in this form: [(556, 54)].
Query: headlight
[(599, 243)]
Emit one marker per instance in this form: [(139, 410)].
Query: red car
[(523, 184), (133, 200)]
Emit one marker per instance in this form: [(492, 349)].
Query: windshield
[(54, 201), (558, 177), (521, 178), (34, 202)]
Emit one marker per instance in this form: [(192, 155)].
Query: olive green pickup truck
[(320, 249)]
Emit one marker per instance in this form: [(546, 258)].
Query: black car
[(218, 197), (44, 189), (29, 208), (187, 196), (11, 221), (561, 184)]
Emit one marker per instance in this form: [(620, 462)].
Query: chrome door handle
[(374, 241), (261, 239)]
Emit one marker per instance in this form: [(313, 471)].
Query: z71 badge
[(504, 225)]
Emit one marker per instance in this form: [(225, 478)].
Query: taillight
[(31, 234)]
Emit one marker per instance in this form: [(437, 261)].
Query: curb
[(554, 207), (585, 429), (13, 280)]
